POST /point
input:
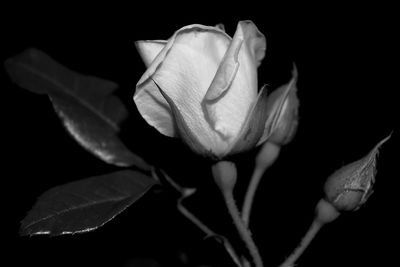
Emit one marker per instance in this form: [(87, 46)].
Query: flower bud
[(285, 120), (225, 174), (286, 129), (350, 186)]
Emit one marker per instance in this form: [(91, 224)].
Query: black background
[(348, 68)]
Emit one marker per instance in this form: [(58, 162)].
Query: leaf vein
[(82, 206)]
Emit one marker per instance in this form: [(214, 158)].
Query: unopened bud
[(225, 174), (287, 126), (286, 103), (350, 186)]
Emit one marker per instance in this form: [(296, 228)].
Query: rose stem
[(209, 233), (225, 176), (186, 192), (312, 231), (242, 229), (324, 213), (265, 158), (249, 197)]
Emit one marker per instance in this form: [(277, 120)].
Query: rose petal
[(184, 70), (184, 132), (149, 49), (253, 127), (234, 87), (151, 104), (226, 72), (256, 41), (155, 109), (252, 54)]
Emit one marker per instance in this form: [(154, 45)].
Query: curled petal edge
[(156, 111), (257, 44), (164, 52), (149, 49)]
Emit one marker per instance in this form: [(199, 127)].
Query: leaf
[(85, 205), (89, 112)]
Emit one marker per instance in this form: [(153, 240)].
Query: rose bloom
[(201, 85)]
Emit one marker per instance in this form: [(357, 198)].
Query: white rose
[(201, 85)]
